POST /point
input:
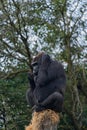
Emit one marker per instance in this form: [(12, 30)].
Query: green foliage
[(13, 102), (66, 122), (27, 27)]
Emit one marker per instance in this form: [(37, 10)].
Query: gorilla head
[(36, 63), (42, 59)]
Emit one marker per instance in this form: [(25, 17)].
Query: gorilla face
[(35, 66), (36, 62)]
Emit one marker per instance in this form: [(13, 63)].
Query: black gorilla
[(47, 82)]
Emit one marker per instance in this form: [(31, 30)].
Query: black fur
[(48, 86)]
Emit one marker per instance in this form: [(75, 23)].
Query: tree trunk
[(44, 120), (52, 127), (47, 125)]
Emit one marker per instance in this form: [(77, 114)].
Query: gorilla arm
[(31, 81), (29, 97), (29, 93)]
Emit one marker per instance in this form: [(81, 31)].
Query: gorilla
[(47, 84)]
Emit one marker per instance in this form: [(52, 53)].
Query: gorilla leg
[(54, 102), (57, 105), (56, 96)]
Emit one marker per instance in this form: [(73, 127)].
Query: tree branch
[(13, 74)]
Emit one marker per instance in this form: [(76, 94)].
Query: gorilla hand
[(30, 76)]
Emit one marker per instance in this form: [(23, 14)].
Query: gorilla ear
[(45, 59)]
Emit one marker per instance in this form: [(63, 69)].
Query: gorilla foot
[(38, 108)]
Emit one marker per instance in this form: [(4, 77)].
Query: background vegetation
[(58, 27)]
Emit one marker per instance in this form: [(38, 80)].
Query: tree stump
[(44, 120)]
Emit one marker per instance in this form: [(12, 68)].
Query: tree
[(59, 28)]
